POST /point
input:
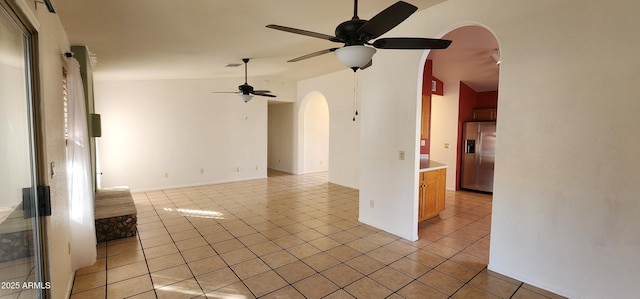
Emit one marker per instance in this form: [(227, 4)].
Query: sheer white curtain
[(81, 213)]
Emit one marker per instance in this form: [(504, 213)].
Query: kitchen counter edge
[(428, 165)]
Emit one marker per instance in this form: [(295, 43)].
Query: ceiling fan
[(356, 34), (246, 91)]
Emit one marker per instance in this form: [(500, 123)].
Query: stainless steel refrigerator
[(478, 157)]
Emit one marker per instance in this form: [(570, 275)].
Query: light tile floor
[(293, 236)]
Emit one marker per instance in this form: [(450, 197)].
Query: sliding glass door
[(20, 252)]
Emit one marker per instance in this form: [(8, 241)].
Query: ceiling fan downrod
[(246, 61), (355, 10)]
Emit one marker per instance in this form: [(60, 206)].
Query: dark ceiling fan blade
[(386, 20), (304, 32), (261, 91), (314, 54), (411, 43), (224, 92), (264, 94)]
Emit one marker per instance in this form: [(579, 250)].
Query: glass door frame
[(28, 25)]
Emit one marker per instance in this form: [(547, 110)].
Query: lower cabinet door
[(431, 193)]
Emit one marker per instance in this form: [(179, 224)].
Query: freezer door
[(469, 161)]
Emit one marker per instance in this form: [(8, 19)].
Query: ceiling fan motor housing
[(346, 32), (245, 88)]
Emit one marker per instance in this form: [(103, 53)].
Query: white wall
[(344, 141), (390, 116), (565, 197), (169, 133), (280, 137), (444, 129), (315, 124)]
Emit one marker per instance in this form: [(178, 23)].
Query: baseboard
[(198, 184), (406, 237)]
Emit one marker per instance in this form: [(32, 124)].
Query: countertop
[(428, 165)]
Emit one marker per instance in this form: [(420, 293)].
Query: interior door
[(21, 274)]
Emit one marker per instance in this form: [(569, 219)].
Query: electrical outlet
[(446, 145), (201, 170), (237, 168), (401, 155), (166, 175), (371, 203)]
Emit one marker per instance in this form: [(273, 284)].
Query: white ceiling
[(160, 39)]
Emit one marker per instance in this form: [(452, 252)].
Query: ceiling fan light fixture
[(245, 97), (355, 57)]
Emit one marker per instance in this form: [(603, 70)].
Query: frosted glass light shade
[(355, 56), (245, 97)]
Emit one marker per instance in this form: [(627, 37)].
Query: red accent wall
[(487, 99), (468, 102), (426, 77)]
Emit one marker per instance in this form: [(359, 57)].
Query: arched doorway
[(465, 81), (315, 129)]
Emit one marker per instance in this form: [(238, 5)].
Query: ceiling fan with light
[(246, 91), (356, 34)]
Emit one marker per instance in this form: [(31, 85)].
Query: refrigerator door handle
[(480, 139)]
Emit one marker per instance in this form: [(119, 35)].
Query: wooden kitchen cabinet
[(431, 193), (488, 114), (426, 114)]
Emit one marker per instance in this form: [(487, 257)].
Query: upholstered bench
[(115, 214)]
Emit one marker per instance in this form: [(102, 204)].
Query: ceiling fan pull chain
[(355, 95)]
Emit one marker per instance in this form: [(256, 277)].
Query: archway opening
[(460, 86), (315, 123)]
